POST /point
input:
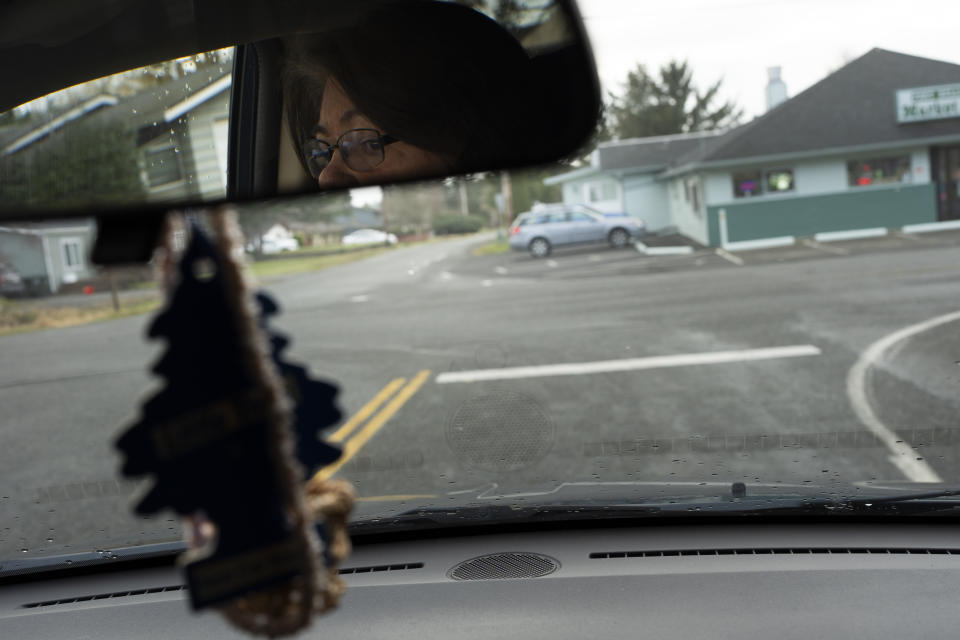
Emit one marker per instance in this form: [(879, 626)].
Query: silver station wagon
[(541, 230)]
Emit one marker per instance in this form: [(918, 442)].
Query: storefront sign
[(928, 103)]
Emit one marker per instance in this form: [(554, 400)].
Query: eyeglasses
[(362, 150)]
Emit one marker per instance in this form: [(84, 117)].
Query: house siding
[(646, 198), (861, 208), (209, 166), (577, 191), (690, 221), (24, 253), (57, 259)]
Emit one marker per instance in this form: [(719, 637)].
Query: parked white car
[(275, 245), (368, 236)]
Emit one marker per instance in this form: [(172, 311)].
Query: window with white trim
[(72, 251)]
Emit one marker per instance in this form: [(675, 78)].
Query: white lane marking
[(901, 454), (813, 244), (360, 298), (501, 270), (726, 255), (486, 283), (594, 258), (552, 263), (628, 364)]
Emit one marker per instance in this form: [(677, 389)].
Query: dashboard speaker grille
[(505, 566)]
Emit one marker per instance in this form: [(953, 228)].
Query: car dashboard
[(660, 581)]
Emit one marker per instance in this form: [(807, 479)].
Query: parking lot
[(600, 261)]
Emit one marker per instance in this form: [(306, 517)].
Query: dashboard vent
[(104, 596), (183, 587), (504, 566), (382, 567), (797, 551)]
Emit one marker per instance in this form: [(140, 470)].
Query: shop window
[(779, 181), (746, 184), (863, 173)]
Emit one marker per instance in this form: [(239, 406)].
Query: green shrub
[(450, 224)]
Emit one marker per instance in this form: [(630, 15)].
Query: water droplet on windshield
[(24, 550), (49, 539), (69, 561)]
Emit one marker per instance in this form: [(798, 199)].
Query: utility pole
[(506, 192), (386, 222), (464, 206), (113, 290)]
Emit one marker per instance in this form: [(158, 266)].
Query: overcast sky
[(736, 40)]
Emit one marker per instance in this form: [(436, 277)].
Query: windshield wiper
[(120, 557), (759, 505), (443, 517), (906, 504)]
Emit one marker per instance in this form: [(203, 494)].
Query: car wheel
[(619, 238), (539, 248)]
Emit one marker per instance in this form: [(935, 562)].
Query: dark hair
[(437, 75)]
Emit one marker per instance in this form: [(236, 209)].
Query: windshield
[(761, 304)]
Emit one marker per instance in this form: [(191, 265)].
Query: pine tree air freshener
[(228, 441)]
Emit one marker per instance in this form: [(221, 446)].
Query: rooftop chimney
[(776, 89)]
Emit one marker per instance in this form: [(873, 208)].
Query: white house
[(624, 176)]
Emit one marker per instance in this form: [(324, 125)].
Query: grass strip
[(20, 317), (492, 248)]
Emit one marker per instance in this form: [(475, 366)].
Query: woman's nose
[(336, 174)]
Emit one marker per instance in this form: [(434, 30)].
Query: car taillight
[(514, 230)]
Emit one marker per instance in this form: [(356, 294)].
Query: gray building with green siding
[(875, 144)]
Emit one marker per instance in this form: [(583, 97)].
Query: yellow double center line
[(355, 443)]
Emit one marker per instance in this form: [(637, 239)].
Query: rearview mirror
[(369, 93)]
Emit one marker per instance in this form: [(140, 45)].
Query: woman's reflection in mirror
[(415, 89)]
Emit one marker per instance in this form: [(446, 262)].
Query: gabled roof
[(853, 107), (153, 108), (45, 129), (41, 227), (651, 153)]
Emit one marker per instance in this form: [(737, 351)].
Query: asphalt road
[(809, 366)]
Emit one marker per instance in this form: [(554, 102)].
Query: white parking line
[(726, 255), (552, 263), (901, 454), (360, 298), (628, 364), (501, 270), (486, 283), (813, 244)]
